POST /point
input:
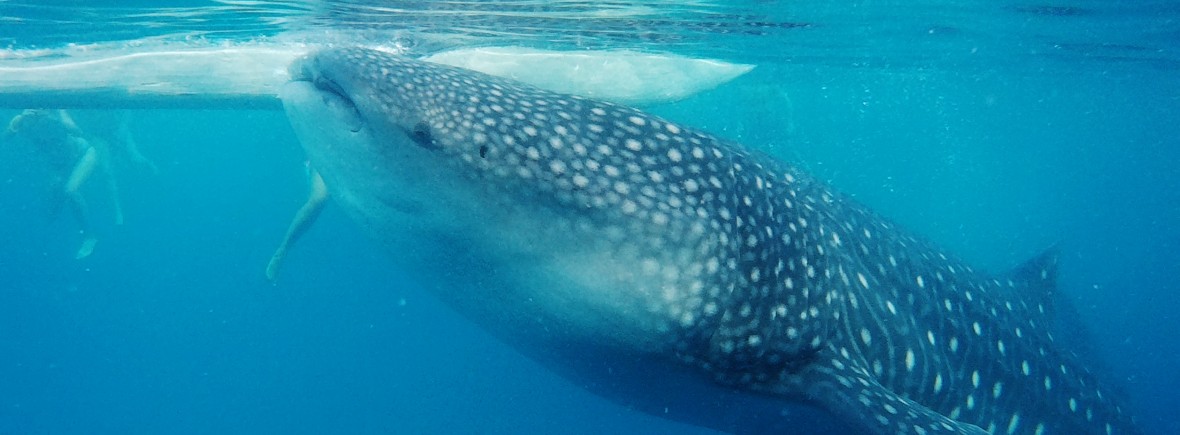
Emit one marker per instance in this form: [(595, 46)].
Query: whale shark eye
[(422, 136), (483, 151)]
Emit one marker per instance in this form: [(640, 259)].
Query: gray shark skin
[(677, 273)]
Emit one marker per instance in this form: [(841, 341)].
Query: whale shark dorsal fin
[(1035, 281)]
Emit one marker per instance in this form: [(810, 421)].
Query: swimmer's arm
[(68, 122), (13, 126)]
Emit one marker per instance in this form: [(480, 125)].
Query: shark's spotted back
[(562, 223)]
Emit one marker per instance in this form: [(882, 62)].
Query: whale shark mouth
[(332, 94)]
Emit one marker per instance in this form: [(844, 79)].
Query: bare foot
[(87, 248)]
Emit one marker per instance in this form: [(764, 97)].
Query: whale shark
[(678, 273)]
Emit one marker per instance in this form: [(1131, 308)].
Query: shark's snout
[(310, 90)]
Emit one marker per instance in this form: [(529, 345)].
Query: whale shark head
[(615, 221)]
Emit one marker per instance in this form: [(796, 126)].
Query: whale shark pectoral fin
[(847, 390)]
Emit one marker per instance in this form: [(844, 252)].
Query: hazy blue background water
[(995, 129)]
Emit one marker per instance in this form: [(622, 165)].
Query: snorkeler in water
[(123, 142), (73, 157), (303, 220)]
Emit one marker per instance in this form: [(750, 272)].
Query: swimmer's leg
[(72, 190), (112, 185), (131, 147), (303, 220)]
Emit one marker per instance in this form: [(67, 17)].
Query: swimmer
[(303, 220), (113, 135), (74, 157), (124, 144)]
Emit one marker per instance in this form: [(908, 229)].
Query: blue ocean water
[(995, 130)]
